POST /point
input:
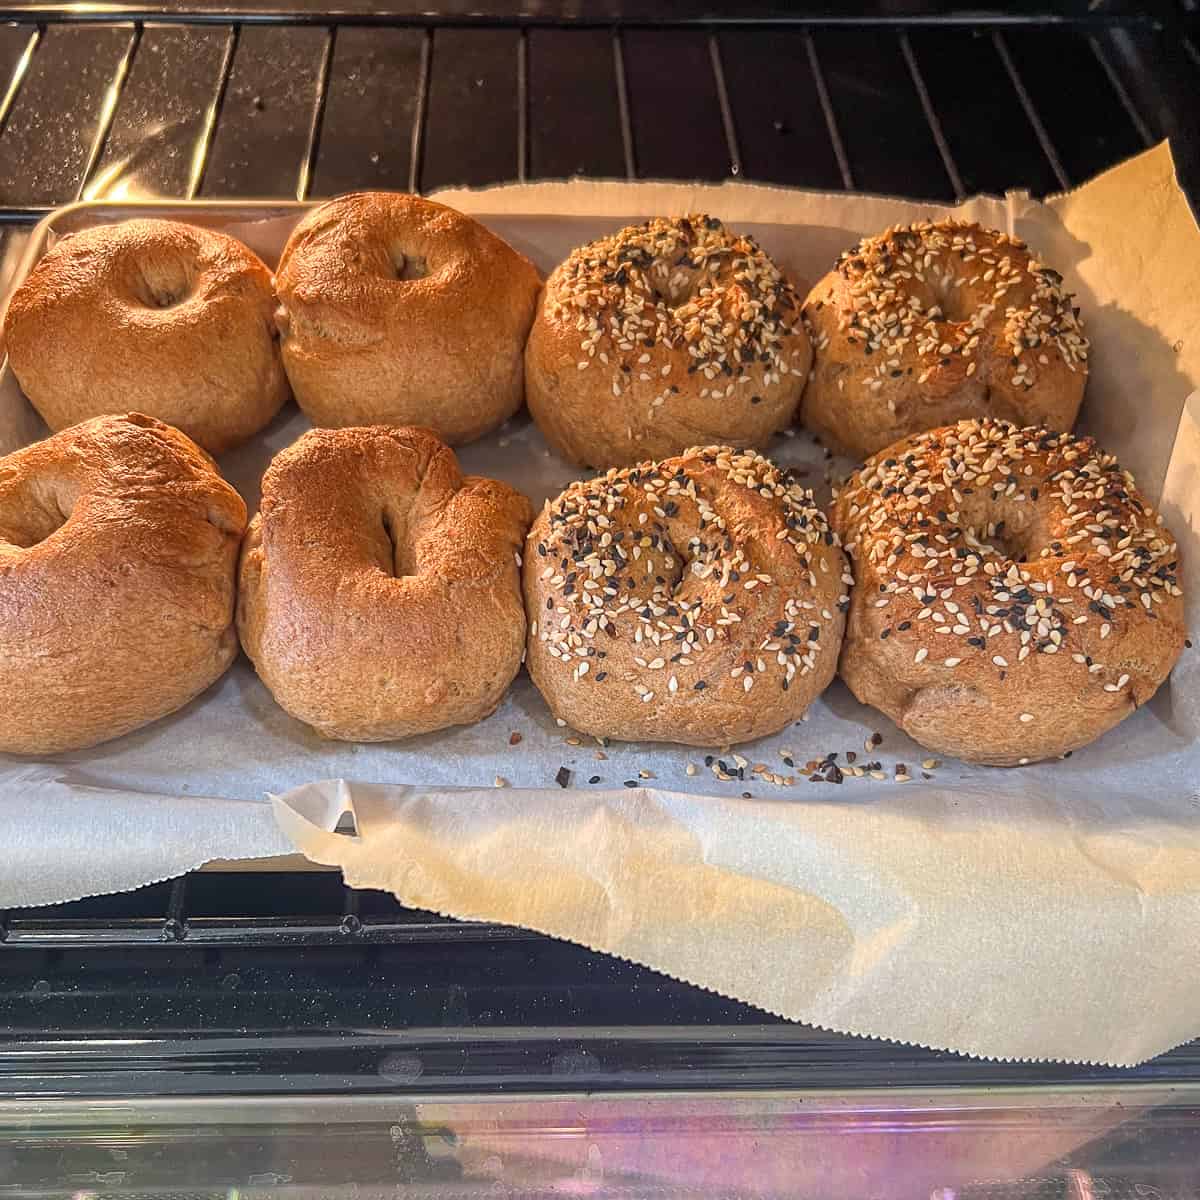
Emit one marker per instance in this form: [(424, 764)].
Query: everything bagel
[(696, 600), (936, 322), (670, 334), (1015, 595)]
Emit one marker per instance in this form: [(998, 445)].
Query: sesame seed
[(881, 303), (669, 281), (1026, 717), (612, 560)]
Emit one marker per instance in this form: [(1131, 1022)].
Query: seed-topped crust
[(1015, 595), (697, 600), (935, 322), (662, 335)]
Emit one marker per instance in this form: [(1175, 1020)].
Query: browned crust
[(87, 332), (379, 595), (118, 542), (1012, 644), (933, 323), (666, 335), (697, 600), (364, 343)]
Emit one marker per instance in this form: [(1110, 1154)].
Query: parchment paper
[(1047, 912)]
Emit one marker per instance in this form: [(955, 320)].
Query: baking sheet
[(1047, 912)]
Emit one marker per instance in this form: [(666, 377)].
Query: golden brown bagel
[(1014, 597), (118, 545), (164, 318), (399, 311), (379, 595), (666, 335), (931, 323), (697, 600)]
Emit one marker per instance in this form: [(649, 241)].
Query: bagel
[(398, 311), (1015, 596), (118, 546), (168, 319), (379, 595), (670, 334), (697, 600), (932, 323)]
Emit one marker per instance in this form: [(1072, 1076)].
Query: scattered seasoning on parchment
[(562, 777)]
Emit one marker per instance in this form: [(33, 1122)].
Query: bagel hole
[(949, 302), (1001, 527), (42, 511), (401, 559), (407, 266), (163, 282), (1002, 539), (671, 284)]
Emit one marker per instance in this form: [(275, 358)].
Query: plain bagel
[(379, 590), (670, 334), (696, 600), (154, 316), (932, 323), (118, 546), (1015, 595), (399, 311)]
